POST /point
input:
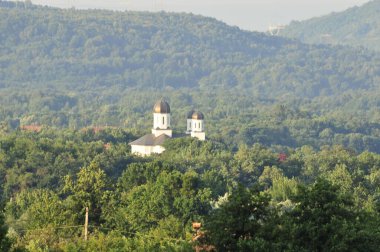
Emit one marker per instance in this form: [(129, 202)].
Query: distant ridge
[(82, 50), (357, 26)]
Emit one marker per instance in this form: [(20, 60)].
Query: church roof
[(190, 114), (198, 116), (161, 107), (150, 140)]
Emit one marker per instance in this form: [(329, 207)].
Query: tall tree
[(88, 190), (4, 241), (324, 220), (239, 220)]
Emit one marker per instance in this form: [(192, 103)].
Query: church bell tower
[(161, 119)]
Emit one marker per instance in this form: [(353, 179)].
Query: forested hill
[(134, 49), (76, 68), (357, 26), (45, 46)]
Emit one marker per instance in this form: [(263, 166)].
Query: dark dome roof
[(190, 114), (161, 107), (198, 116)]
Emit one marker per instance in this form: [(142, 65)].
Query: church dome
[(190, 114), (198, 116), (161, 107)]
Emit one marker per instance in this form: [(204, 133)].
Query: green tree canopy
[(240, 218)]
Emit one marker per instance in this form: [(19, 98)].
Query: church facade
[(152, 143)]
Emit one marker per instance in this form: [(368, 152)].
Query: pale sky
[(247, 14)]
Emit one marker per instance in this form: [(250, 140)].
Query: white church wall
[(158, 132), (189, 126), (142, 150), (147, 150), (158, 149), (161, 121), (197, 125), (200, 135)]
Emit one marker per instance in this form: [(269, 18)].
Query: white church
[(152, 143)]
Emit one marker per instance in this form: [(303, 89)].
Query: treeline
[(252, 198), (85, 50), (357, 27), (230, 118)]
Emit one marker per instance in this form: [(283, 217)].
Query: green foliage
[(325, 220), (283, 188), (38, 208), (88, 190), (148, 204), (357, 26), (240, 218), (170, 194), (4, 241), (275, 110), (341, 177)]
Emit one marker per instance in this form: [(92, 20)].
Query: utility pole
[(86, 225)]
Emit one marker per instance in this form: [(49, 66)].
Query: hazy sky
[(247, 14)]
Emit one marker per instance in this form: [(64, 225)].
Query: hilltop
[(42, 46), (357, 26)]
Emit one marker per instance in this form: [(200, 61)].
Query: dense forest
[(251, 199), (357, 26), (77, 68), (291, 163)]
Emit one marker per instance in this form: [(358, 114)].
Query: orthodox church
[(152, 143)]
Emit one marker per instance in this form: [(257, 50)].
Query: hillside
[(357, 26), (145, 50), (75, 68)]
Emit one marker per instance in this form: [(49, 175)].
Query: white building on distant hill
[(195, 124), (152, 143)]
